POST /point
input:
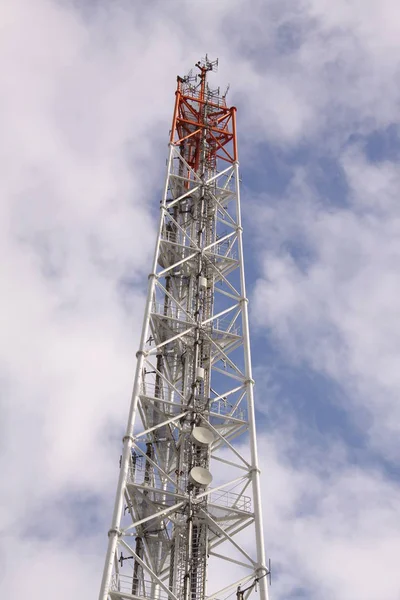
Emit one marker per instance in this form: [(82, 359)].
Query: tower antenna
[(187, 521)]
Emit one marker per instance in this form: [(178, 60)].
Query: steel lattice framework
[(188, 499)]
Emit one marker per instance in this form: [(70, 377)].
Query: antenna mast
[(187, 522)]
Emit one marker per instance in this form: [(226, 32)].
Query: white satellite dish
[(200, 477), (202, 436)]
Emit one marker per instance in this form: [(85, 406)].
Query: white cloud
[(332, 300), (332, 527), (72, 255)]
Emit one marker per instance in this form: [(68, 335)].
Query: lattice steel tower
[(187, 521)]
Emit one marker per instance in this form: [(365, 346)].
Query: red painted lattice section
[(203, 126)]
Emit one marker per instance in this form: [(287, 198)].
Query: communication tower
[(187, 521)]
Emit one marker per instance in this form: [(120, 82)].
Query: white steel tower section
[(187, 522)]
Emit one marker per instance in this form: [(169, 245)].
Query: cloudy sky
[(87, 92)]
